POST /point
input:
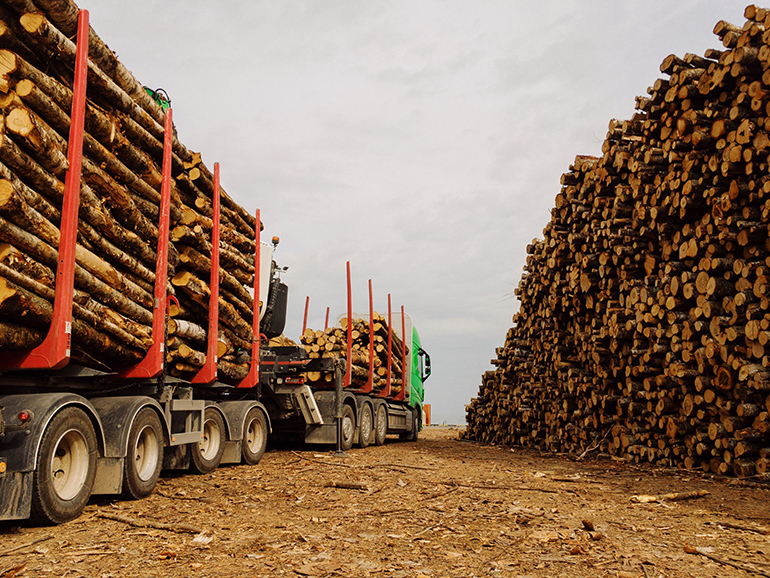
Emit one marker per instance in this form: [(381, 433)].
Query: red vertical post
[(386, 391), (252, 378), (349, 360), (208, 373), (304, 320), (370, 382), (400, 395), (152, 364), (54, 351), (326, 321)]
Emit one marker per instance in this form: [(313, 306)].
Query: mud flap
[(15, 495)]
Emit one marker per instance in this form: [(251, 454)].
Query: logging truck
[(138, 303), (339, 401)]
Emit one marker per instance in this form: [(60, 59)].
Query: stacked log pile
[(644, 325), (332, 343), (119, 207)]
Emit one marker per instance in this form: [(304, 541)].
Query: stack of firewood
[(332, 342), (119, 208), (644, 322)]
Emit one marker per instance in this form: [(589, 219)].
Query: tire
[(144, 455), (380, 425), (417, 424), (66, 468), (365, 427), (207, 453), (254, 436), (348, 427)]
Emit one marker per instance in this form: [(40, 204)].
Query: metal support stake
[(386, 390), (401, 395), (348, 373), (208, 373), (370, 382), (252, 379), (338, 386), (152, 363)]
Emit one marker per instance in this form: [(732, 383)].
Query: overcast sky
[(423, 141)]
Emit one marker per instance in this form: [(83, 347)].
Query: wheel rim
[(366, 423), (69, 464), (382, 424), (347, 427), (254, 435), (209, 445), (146, 453)]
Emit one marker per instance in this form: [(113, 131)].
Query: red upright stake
[(304, 321), (208, 373), (54, 352), (349, 360), (370, 382), (400, 395), (252, 379), (326, 321), (386, 391), (152, 364)]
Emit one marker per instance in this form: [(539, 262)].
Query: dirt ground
[(438, 507)]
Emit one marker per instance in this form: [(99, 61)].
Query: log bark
[(17, 303), (199, 292), (15, 336), (47, 255)]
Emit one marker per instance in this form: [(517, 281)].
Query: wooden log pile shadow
[(119, 208), (332, 343), (644, 324)]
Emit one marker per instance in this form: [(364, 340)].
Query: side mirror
[(425, 358)]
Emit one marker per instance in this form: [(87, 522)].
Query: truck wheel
[(207, 453), (145, 455), (411, 436), (365, 428), (254, 436), (348, 427), (380, 425), (66, 468)]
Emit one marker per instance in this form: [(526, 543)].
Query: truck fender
[(234, 413), (20, 449), (119, 413)]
